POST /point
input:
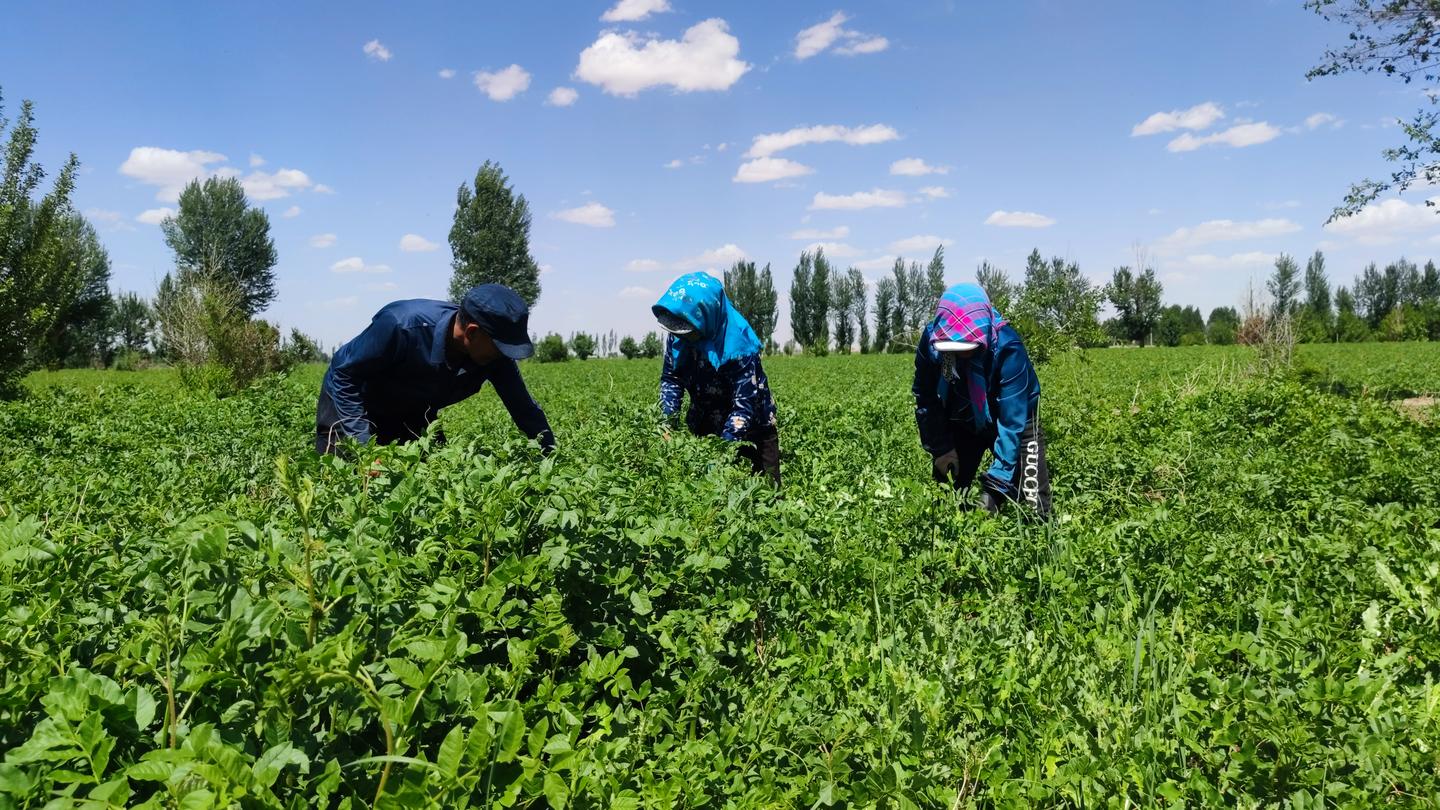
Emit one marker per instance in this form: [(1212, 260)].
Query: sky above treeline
[(655, 137)]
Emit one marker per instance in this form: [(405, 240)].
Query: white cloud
[(446, 73), (1237, 136), (722, 256), (322, 240), (860, 44), (875, 198), (636, 292), (562, 97), (593, 214), (675, 164), (1223, 230), (1198, 117), (1209, 261), (770, 143), (546, 268), (632, 10), (1019, 219), (835, 250), (915, 167), (321, 188), (703, 59), (935, 192), (415, 243), (376, 51), (1387, 221), (256, 161), (765, 170), (1321, 119), (643, 265), (877, 263), (291, 212), (382, 285), (919, 244), (168, 169), (819, 37), (838, 232), (114, 219), (155, 216), (355, 264), (273, 186), (503, 85)]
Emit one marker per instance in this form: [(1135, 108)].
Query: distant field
[(1235, 605)]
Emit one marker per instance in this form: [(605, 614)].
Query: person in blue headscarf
[(976, 390), (713, 355)]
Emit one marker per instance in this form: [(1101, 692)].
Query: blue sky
[(1081, 129)]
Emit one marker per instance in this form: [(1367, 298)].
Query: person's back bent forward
[(419, 355)]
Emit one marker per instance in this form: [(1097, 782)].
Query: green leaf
[(451, 751), (640, 602), (268, 765), (144, 708), (557, 793), (512, 735)]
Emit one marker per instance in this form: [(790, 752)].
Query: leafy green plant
[(1234, 605)]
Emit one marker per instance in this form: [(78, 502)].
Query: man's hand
[(944, 467)]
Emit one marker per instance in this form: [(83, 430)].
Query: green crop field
[(1236, 605)]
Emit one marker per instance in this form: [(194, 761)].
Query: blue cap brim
[(516, 351)]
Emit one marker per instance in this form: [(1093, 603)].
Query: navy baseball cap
[(504, 316)]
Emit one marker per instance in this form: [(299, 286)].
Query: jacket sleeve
[(743, 374), (361, 360), (1012, 411), (524, 410), (672, 390), (929, 410)]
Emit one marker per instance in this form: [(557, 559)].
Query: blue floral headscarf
[(700, 299)]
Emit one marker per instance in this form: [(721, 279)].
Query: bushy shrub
[(552, 349), (204, 331)]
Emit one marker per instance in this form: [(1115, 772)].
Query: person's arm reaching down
[(359, 361), (527, 414)]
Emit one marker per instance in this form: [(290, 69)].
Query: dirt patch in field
[(1421, 409)]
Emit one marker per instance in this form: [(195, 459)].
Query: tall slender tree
[(884, 313), (216, 231), (29, 228), (82, 333), (842, 305), (935, 275), (801, 319), (997, 286), (1284, 287), (820, 283), (858, 304), (490, 237)]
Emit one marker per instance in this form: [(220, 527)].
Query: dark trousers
[(764, 454), (1031, 481), (386, 429)]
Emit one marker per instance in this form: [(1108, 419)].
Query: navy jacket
[(733, 401), (397, 370), (942, 414)]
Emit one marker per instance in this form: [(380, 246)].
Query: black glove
[(945, 467)]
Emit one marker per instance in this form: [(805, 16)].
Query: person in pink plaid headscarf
[(976, 390)]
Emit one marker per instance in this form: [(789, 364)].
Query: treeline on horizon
[(57, 309), (1055, 308)]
